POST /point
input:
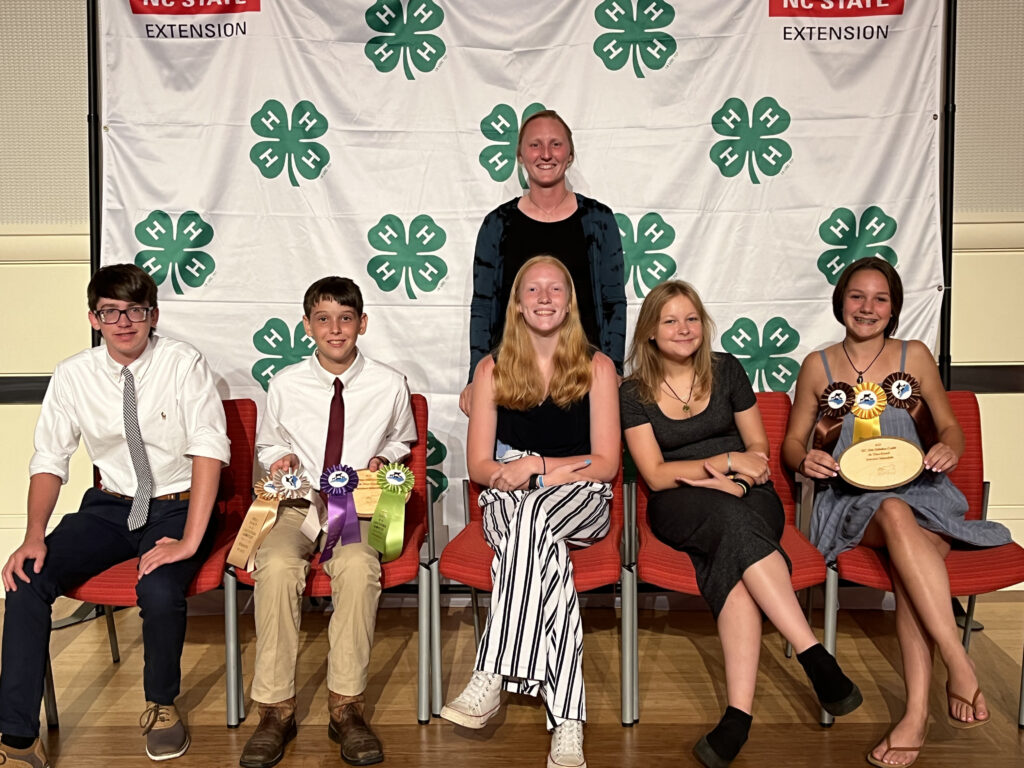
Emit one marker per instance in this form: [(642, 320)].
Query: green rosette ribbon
[(387, 528)]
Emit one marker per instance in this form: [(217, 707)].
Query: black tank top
[(547, 429)]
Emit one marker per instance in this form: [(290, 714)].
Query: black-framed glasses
[(113, 316)]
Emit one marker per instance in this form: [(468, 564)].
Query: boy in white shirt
[(153, 424), (337, 406)]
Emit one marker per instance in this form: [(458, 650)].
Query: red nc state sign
[(193, 7), (835, 9)]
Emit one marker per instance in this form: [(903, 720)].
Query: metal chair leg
[(831, 617), (115, 653), (1020, 709), (435, 638), (967, 623), (50, 696), (627, 670), (232, 651), (476, 614), (424, 613)]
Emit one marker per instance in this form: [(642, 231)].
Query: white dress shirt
[(180, 416), (378, 420)]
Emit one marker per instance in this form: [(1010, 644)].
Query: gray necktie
[(144, 488)]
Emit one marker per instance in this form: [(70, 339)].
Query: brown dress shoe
[(359, 745), (266, 745)]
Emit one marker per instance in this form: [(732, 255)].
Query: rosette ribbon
[(868, 403), (337, 483), (270, 492), (387, 528), (833, 404), (903, 391)]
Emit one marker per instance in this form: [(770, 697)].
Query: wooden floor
[(681, 689)]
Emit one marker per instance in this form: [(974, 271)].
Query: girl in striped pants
[(549, 402)]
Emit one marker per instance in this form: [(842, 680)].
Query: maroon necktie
[(335, 428)]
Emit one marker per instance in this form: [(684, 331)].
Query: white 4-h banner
[(753, 148)]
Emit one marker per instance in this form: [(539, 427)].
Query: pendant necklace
[(686, 402), (860, 374), (548, 212)]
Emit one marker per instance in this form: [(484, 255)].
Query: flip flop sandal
[(972, 703), (890, 748)]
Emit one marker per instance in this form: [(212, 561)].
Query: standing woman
[(914, 523), (544, 439), (549, 219), (693, 427)]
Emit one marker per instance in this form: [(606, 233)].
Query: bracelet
[(540, 481), (544, 465), (532, 485), (728, 460), (742, 484)]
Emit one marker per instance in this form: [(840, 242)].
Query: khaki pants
[(282, 565)]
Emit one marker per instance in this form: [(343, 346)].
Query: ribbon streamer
[(259, 519), (833, 404), (387, 528), (868, 403), (338, 483)]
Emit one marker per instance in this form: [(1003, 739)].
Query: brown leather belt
[(180, 496)]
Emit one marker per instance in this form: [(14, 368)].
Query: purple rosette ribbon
[(337, 483)]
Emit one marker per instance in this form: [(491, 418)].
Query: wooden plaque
[(880, 463)]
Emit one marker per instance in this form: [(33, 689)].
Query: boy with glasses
[(153, 424)]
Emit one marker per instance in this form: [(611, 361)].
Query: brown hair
[(645, 359), (123, 282), (340, 289), (517, 380), (891, 277), (554, 116)]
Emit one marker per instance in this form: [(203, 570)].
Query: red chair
[(971, 572), (402, 569), (467, 560), (116, 585), (667, 568)]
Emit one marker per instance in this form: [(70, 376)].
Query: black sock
[(830, 684), (17, 742), (729, 736)]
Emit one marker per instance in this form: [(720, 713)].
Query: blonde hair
[(517, 380), (645, 361)]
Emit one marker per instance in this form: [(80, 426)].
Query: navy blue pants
[(81, 546)]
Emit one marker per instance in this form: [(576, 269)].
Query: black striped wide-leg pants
[(534, 636)]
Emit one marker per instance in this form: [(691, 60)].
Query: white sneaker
[(475, 705), (567, 746)]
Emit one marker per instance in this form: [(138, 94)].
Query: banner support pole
[(948, 134)]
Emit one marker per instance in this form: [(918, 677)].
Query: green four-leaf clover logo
[(404, 35), (282, 348), (763, 355), (635, 35), (409, 258), (853, 242), (502, 128), (436, 479), (289, 145), (750, 144), (645, 259), (175, 249)]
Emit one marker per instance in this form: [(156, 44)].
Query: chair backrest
[(775, 407), (969, 475), (417, 509), (236, 479)]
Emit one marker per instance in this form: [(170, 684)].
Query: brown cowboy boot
[(266, 745), (359, 745)]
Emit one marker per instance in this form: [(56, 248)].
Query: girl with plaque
[(693, 427), (544, 438), (871, 385)]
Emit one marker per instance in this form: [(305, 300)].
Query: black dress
[(723, 534)]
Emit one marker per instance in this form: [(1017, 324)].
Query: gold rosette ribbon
[(387, 528), (868, 403), (262, 515)]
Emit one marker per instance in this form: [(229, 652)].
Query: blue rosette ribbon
[(337, 484)]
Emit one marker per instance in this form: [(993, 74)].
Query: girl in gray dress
[(692, 425), (914, 523)]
